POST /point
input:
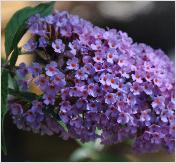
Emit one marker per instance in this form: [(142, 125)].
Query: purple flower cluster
[(100, 83), (34, 119)]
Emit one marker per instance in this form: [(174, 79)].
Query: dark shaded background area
[(155, 29), (153, 25)]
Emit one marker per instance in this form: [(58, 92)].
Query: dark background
[(152, 23)]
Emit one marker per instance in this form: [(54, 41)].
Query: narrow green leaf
[(14, 56), (3, 61), (16, 27), (4, 91), (12, 83), (4, 94), (12, 34), (23, 95)]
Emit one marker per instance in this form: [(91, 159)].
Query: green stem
[(53, 115), (79, 142)]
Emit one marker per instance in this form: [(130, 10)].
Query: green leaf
[(12, 83), (90, 150), (23, 95), (90, 153), (14, 56), (4, 94), (3, 61), (45, 8), (4, 91), (81, 154), (17, 27)]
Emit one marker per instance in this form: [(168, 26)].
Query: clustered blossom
[(34, 119), (98, 80)]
